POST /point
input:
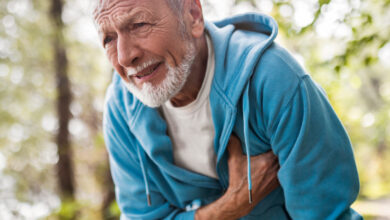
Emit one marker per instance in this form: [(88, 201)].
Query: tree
[(64, 99)]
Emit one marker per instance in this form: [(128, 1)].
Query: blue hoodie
[(263, 95)]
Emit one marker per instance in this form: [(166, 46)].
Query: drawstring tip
[(250, 197), (149, 201)]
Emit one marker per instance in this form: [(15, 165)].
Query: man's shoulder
[(277, 78), (279, 65)]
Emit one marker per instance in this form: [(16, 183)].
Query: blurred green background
[(53, 74)]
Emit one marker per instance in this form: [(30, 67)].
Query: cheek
[(164, 47), (112, 56)]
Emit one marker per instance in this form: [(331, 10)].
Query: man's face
[(143, 42)]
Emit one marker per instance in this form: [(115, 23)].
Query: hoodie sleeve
[(318, 172), (127, 175)]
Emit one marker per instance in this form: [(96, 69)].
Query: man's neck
[(195, 80)]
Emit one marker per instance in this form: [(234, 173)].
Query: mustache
[(135, 70)]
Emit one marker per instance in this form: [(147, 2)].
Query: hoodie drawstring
[(245, 112), (141, 156)]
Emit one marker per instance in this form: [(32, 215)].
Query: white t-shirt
[(191, 127)]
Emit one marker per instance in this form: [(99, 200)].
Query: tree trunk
[(109, 196), (64, 99)]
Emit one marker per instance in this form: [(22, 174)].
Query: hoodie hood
[(237, 58)]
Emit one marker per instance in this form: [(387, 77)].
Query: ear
[(197, 22)]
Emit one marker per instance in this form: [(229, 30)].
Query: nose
[(129, 53)]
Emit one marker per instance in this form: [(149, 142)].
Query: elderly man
[(193, 108)]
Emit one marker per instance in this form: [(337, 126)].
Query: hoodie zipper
[(223, 174)]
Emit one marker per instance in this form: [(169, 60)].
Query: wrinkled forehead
[(106, 12), (102, 6), (120, 11)]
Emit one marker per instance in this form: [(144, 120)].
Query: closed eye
[(139, 25)]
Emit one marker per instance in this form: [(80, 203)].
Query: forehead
[(116, 9)]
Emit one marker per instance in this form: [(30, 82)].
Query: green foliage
[(69, 210), (341, 51), (80, 210), (369, 217), (114, 211)]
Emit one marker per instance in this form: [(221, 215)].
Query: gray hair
[(177, 7)]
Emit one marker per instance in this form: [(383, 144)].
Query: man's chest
[(192, 135)]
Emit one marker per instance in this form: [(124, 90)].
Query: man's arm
[(317, 168), (318, 172), (234, 203)]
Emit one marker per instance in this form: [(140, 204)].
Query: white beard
[(155, 96)]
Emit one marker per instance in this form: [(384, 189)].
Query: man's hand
[(234, 203), (264, 168)]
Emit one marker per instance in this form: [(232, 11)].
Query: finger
[(274, 184), (273, 179), (274, 168), (267, 158), (269, 154), (265, 188), (274, 163)]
